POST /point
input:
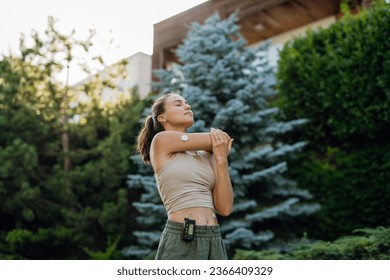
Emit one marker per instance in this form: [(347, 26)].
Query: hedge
[(339, 79), (365, 244)]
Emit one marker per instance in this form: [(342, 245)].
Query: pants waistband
[(201, 231)]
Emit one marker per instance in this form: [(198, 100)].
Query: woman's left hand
[(222, 144)]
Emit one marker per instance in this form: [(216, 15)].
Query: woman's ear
[(161, 119)]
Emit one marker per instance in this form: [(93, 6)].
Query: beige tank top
[(186, 181)]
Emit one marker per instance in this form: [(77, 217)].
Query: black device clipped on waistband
[(189, 230)]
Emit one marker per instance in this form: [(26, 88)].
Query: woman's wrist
[(221, 160)]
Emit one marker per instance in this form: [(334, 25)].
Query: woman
[(191, 171)]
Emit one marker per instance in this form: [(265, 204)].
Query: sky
[(123, 27)]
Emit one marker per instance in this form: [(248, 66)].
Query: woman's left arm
[(223, 196)]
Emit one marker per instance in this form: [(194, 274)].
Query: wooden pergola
[(258, 19)]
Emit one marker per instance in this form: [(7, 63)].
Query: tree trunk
[(64, 134)]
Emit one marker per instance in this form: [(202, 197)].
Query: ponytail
[(145, 138), (151, 128)]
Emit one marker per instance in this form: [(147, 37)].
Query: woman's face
[(177, 113)]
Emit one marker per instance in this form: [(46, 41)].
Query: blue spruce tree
[(229, 86)]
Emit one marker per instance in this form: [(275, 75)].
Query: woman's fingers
[(230, 144), (220, 135), (221, 138)]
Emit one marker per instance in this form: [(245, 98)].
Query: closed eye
[(180, 103)]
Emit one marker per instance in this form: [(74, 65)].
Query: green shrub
[(352, 188), (260, 255), (366, 244), (339, 79), (26, 244)]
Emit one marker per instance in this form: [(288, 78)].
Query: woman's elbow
[(225, 212)]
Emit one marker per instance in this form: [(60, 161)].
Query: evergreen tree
[(229, 86), (52, 208)]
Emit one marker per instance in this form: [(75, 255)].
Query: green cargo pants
[(208, 244)]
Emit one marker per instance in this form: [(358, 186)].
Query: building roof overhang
[(258, 19)]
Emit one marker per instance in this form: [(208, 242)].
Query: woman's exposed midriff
[(202, 216)]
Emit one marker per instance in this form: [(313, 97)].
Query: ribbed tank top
[(186, 181)]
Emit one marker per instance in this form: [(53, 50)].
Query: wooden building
[(259, 20)]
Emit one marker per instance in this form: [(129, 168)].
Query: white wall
[(139, 73), (278, 41)]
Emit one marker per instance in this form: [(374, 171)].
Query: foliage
[(365, 244), (229, 86), (344, 181), (110, 253), (338, 78), (64, 161)]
